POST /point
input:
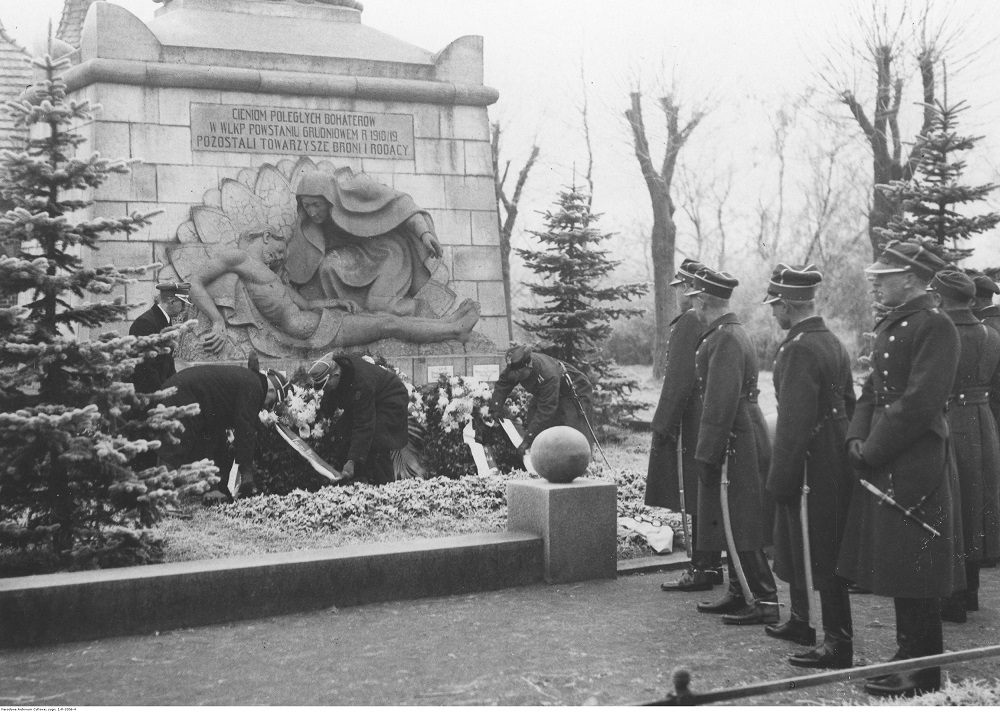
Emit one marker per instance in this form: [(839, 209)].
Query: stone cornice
[(158, 74)]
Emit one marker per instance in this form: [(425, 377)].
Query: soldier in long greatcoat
[(732, 434), (679, 410), (971, 418), (898, 440), (815, 392), (171, 299)]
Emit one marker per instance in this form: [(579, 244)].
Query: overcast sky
[(736, 56)]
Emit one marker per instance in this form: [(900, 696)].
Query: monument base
[(577, 522)]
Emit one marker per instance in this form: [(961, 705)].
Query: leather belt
[(973, 395)]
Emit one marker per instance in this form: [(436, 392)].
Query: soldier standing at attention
[(898, 441), (815, 393), (975, 399), (678, 410), (150, 374), (732, 441)]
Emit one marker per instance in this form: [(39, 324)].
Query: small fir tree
[(578, 312), (932, 198), (70, 424)]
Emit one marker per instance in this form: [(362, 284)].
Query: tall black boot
[(796, 629), (837, 649), (972, 585), (918, 634)]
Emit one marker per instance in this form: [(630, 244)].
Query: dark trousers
[(701, 559), (758, 574), (835, 607)]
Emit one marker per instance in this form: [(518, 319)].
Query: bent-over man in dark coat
[(551, 384), (230, 398), (898, 440), (678, 410), (732, 434), (150, 374), (815, 393), (374, 420), (972, 421)]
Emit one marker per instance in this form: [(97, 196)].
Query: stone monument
[(324, 186)]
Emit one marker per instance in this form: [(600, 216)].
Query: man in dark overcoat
[(375, 404), (171, 300), (972, 421), (678, 410), (815, 392), (551, 384), (230, 398), (732, 434), (898, 441)]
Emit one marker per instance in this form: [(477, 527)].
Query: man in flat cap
[(732, 435), (897, 440), (984, 308), (170, 301), (678, 412), (230, 398), (551, 384), (815, 392), (373, 423), (974, 401)]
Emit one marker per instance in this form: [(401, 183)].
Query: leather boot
[(837, 649), (730, 602), (906, 684), (972, 585), (692, 580), (793, 630), (796, 629), (760, 612), (953, 608), (918, 633)]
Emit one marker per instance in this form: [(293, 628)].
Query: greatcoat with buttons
[(972, 419), (900, 417), (678, 406), (731, 429), (815, 391)]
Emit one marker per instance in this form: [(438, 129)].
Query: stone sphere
[(560, 454)]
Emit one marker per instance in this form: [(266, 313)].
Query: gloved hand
[(348, 471), (523, 447), (855, 454)]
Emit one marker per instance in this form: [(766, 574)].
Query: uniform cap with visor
[(717, 284), (899, 256), (175, 289), (793, 283), (686, 272)]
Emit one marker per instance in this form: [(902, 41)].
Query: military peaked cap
[(279, 382), (686, 272), (793, 284), (320, 371), (954, 285), (900, 256), (518, 356), (985, 287), (175, 289), (709, 281)]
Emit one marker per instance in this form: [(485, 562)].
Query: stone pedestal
[(577, 522)]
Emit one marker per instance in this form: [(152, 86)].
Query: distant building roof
[(15, 76), (71, 22)]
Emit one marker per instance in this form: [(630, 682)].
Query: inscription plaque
[(316, 132)]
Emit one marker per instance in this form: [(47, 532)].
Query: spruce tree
[(70, 423), (932, 198), (578, 308)]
